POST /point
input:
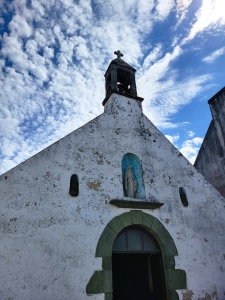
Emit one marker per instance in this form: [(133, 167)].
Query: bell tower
[(120, 79)]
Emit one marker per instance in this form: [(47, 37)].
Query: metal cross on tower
[(118, 53)]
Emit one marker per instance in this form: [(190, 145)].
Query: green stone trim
[(172, 295), (136, 204), (101, 281), (108, 296), (107, 263), (126, 219), (179, 279)]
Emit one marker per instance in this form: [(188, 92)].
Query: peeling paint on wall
[(213, 296), (188, 295), (94, 185)]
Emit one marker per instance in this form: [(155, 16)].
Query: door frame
[(101, 281)]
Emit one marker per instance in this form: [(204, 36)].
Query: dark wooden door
[(131, 277), (137, 266), (158, 280)]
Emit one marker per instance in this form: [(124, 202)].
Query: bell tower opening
[(120, 79)]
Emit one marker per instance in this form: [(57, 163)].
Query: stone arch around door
[(101, 281)]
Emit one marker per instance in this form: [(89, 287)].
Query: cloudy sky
[(54, 54)]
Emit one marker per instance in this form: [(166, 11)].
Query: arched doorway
[(137, 266), (101, 281)]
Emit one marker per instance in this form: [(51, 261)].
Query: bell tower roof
[(120, 79), (120, 62)]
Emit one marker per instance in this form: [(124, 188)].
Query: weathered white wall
[(48, 238)]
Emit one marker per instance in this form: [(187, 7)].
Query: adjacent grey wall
[(211, 157)]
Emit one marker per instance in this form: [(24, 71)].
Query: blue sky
[(54, 55)]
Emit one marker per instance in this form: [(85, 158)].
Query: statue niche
[(132, 174), (130, 183)]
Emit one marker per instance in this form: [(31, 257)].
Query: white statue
[(130, 183)]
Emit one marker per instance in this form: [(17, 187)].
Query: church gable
[(63, 209), (98, 149)]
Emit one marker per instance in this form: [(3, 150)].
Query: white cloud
[(48, 52), (173, 138), (58, 33), (182, 9), (183, 4), (214, 55), (211, 13), (39, 8), (163, 93), (7, 164), (9, 128), (12, 48), (152, 57), (82, 51), (167, 97), (40, 37), (190, 148), (164, 7), (56, 54), (20, 27), (190, 133), (156, 71)]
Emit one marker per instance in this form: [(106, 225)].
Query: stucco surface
[(49, 238)]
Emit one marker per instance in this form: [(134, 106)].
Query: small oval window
[(74, 185), (183, 196)]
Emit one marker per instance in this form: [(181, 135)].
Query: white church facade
[(111, 211)]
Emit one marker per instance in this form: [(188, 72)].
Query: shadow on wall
[(130, 159)]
